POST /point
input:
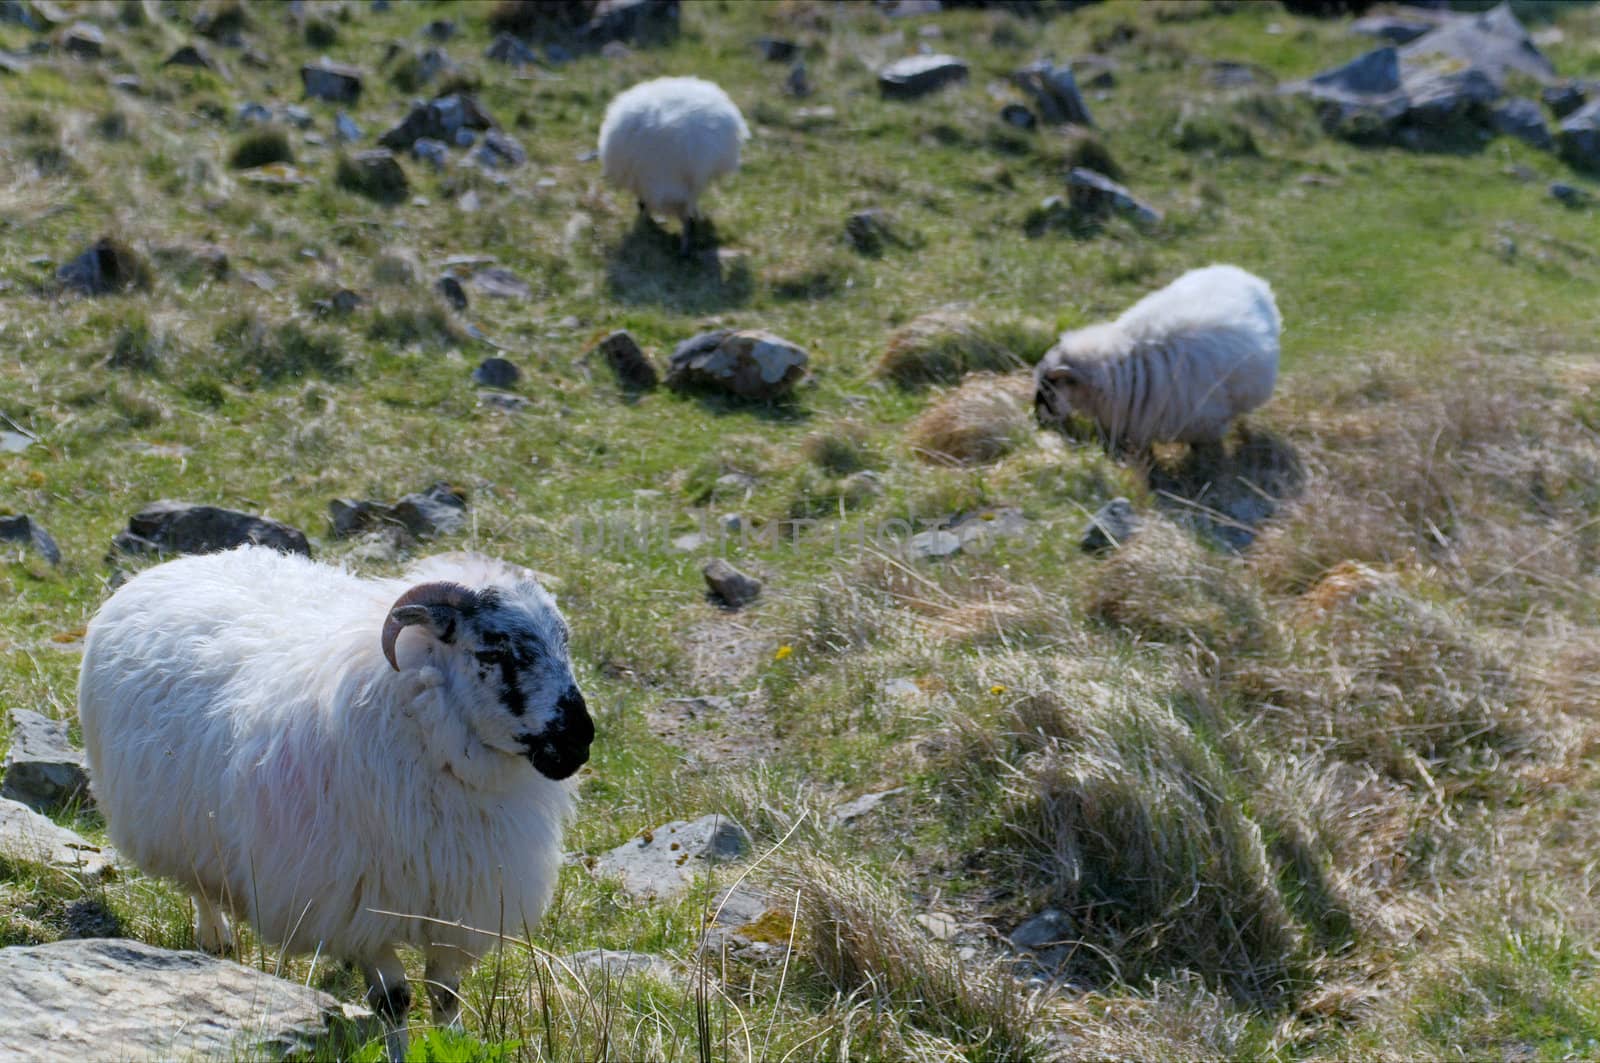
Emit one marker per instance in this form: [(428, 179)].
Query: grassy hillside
[(1332, 795)]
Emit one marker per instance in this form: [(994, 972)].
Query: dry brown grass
[(984, 419), (942, 346)]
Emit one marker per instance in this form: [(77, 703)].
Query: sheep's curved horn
[(415, 605)]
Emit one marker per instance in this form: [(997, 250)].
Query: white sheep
[(1177, 366), (351, 765), (666, 140)]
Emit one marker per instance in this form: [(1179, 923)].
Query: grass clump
[(943, 346), (1209, 133), (375, 174), (840, 449), (261, 147), (986, 418), (423, 322), (257, 350)]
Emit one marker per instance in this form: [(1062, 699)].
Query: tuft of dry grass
[(983, 420), (942, 346)]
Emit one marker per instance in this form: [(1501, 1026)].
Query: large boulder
[(749, 363), (168, 527), (42, 769), (103, 998), (1493, 42)]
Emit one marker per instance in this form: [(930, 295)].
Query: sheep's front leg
[(211, 930), (444, 986), (389, 995)]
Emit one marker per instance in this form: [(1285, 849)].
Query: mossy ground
[(1400, 796)]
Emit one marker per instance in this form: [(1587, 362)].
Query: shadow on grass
[(1229, 491), (649, 267)]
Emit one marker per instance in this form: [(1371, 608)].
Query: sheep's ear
[(1061, 374)]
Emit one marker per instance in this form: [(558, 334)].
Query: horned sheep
[(351, 765), (666, 140), (1177, 366)]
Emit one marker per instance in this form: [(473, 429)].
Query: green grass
[(1350, 786)]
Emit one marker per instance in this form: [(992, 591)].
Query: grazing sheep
[(666, 140), (351, 765), (1177, 366)]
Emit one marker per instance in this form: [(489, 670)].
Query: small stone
[(941, 925), (933, 544), (730, 586), (168, 527), (434, 152), (798, 83), (1094, 193), (23, 529), (918, 75), (870, 231), (776, 49), (615, 965), (902, 688), (454, 294), (336, 82), (630, 20), (499, 151), (1049, 928), (465, 138), (851, 811), (42, 769), (376, 174), (1015, 114), (663, 863), (1112, 525), (1563, 99), (689, 542), (346, 129), (251, 113), (628, 362), (298, 116), (506, 48), (83, 39), (440, 510), (1524, 120), (440, 29), (501, 283), (107, 266), (191, 55), (749, 363), (1571, 195), (496, 373), (1054, 92), (438, 120)]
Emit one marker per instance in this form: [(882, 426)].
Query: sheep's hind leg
[(389, 995), (443, 976), (211, 930)]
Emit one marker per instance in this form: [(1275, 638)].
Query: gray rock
[(169, 527), (440, 29), (629, 20), (1396, 29), (776, 49), (1436, 100), (14, 443), (28, 837), (1055, 92), (106, 266), (613, 964), (1112, 525), (83, 39), (1360, 96), (12, 63), (251, 113), (503, 400), (496, 373), (850, 811), (465, 138), (730, 586), (499, 151), (918, 75), (1578, 139), (749, 363), (1494, 43), (346, 128), (933, 544), (1092, 193), (1571, 195), (440, 510), (1016, 114), (501, 283), (327, 80), (798, 82), (42, 769), (978, 529), (24, 529), (1524, 120), (454, 294), (191, 55), (628, 362), (434, 152), (119, 999), (1564, 98), (439, 120), (1049, 928), (298, 116), (664, 862), (508, 49)]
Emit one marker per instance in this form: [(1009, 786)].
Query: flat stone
[(977, 529), (850, 811), (614, 964), (933, 544), (749, 363), (1015, 114), (336, 82), (1049, 928), (24, 529), (664, 862), (941, 925), (42, 769), (730, 586), (30, 838), (1054, 92), (187, 528), (918, 75), (440, 510), (501, 283), (628, 362), (1112, 525), (1571, 195), (1094, 193), (99, 998)]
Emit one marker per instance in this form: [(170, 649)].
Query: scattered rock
[(440, 119), (496, 373), (870, 231), (99, 998), (12, 63), (1054, 92), (168, 527), (933, 544), (918, 75), (850, 811), (336, 82), (108, 266), (663, 863), (42, 770), (1564, 98), (1112, 525), (191, 55), (1396, 29), (454, 294), (252, 113), (1016, 114), (1578, 139), (941, 925), (28, 837), (503, 400), (434, 152), (501, 283), (374, 173), (440, 510), (14, 443), (798, 83), (630, 20), (82, 39), (776, 49), (341, 303), (1362, 95), (750, 363), (615, 965), (499, 151), (1571, 195), (1049, 928), (728, 585), (506, 48), (628, 362), (1494, 43), (1092, 193), (23, 529), (1524, 120), (440, 29), (346, 129)]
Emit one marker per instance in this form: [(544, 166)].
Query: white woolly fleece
[(666, 140), (1179, 364), (246, 737)]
